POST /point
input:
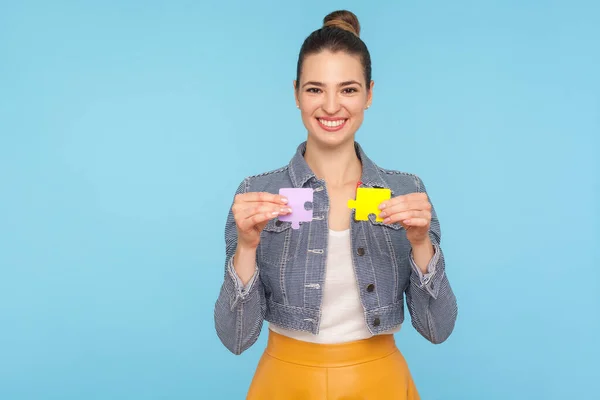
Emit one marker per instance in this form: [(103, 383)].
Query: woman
[(333, 290)]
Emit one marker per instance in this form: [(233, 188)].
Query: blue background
[(125, 128)]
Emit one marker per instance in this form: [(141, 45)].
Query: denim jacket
[(286, 288)]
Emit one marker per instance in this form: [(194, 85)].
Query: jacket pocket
[(277, 242)]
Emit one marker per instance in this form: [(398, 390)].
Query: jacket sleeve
[(431, 302), (239, 310)]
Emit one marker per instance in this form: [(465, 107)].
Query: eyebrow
[(321, 84)]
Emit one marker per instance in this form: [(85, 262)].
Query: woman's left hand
[(413, 212)]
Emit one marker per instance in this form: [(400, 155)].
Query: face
[(332, 96)]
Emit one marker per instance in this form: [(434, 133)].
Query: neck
[(337, 166)]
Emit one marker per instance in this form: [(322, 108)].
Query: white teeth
[(332, 124)]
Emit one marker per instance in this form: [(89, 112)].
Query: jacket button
[(278, 223), (376, 322), (360, 251), (370, 287)]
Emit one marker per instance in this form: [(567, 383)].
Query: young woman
[(332, 291)]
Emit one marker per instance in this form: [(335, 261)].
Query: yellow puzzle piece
[(368, 201)]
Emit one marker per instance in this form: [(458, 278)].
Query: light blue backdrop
[(126, 126)]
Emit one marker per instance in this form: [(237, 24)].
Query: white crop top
[(342, 314)]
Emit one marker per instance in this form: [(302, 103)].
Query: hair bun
[(343, 19)]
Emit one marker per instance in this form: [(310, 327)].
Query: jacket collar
[(300, 172)]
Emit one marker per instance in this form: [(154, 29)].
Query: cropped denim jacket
[(286, 288)]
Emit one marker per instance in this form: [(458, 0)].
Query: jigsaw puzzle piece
[(297, 198), (368, 201)]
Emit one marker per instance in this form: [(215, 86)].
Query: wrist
[(422, 253), (421, 244), (245, 247), (245, 253)]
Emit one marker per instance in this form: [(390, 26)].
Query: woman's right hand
[(252, 211)]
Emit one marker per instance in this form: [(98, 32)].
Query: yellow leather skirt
[(365, 369)]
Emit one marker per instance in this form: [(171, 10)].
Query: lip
[(332, 128)]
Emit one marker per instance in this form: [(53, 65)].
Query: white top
[(342, 314)]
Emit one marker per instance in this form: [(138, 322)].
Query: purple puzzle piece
[(296, 200)]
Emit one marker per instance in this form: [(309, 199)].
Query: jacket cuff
[(425, 281), (237, 290)]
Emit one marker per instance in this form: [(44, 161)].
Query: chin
[(332, 136), (330, 140)]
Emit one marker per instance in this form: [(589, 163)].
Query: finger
[(401, 216), (410, 198), (261, 197), (260, 208), (404, 206), (247, 208), (405, 215), (249, 223), (421, 222)]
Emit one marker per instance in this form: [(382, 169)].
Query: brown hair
[(340, 32)]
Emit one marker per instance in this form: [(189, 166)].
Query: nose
[(331, 104)]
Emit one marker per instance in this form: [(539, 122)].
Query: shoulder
[(269, 174), (267, 181), (402, 180)]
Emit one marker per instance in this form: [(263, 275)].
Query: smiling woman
[(332, 291)]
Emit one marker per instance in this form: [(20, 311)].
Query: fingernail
[(382, 214), (406, 221), (286, 210), (284, 200), (275, 213), (382, 206), (386, 221)]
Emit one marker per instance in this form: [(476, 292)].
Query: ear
[(296, 93), (370, 95)]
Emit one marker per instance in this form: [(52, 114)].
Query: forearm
[(244, 262), (239, 310), (433, 318), (422, 254), (431, 301)]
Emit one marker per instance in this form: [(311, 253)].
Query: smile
[(332, 125)]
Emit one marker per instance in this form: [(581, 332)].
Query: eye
[(350, 90), (313, 90)]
